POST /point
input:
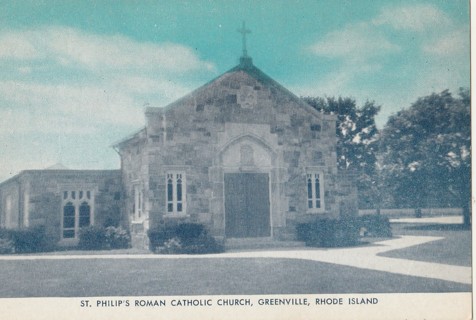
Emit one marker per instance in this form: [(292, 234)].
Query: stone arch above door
[(247, 151), (246, 190)]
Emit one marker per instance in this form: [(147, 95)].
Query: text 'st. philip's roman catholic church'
[(241, 155)]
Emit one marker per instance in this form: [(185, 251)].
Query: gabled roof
[(48, 172), (246, 65), (124, 141), (57, 166)]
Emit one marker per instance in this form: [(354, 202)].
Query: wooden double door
[(247, 205)]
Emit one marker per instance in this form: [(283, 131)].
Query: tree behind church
[(426, 153), (357, 144)]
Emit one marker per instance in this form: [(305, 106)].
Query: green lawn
[(203, 276), (146, 277), (455, 249)]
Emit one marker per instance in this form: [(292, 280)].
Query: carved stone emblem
[(246, 155), (247, 97)]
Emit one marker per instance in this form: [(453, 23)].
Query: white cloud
[(75, 48), (14, 47), (340, 82), (414, 17), (360, 48), (30, 107), (450, 44), (354, 42), (15, 122), (66, 80), (424, 49), (24, 70), (168, 89), (66, 96)]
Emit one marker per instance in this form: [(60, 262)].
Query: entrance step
[(241, 244), (140, 241)]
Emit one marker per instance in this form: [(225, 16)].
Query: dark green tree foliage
[(357, 143), (426, 153)]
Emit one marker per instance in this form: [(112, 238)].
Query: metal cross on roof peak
[(243, 32)]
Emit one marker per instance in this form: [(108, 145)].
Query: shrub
[(191, 238), (329, 232), (375, 225), (100, 238), (92, 238), (6, 246), (189, 233), (117, 238), (28, 240), (171, 246), (204, 243), (5, 233), (418, 213), (157, 237)]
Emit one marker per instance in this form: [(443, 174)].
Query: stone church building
[(241, 155)]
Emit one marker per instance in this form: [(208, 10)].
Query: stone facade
[(37, 197), (241, 122), (241, 155)]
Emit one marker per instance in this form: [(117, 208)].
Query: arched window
[(170, 193), (179, 193), (314, 191), (69, 214), (137, 202), (176, 197), (84, 215), (309, 192), (77, 212), (8, 211)]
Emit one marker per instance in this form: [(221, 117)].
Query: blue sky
[(76, 75)]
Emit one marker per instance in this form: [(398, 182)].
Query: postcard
[(252, 160)]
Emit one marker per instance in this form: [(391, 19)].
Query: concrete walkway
[(430, 220), (360, 257), (367, 258)]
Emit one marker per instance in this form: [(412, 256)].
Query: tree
[(357, 142), (426, 153)]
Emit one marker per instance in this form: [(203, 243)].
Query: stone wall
[(39, 193), (10, 204), (191, 134), (135, 174)]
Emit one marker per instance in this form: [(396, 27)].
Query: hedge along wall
[(411, 212)]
